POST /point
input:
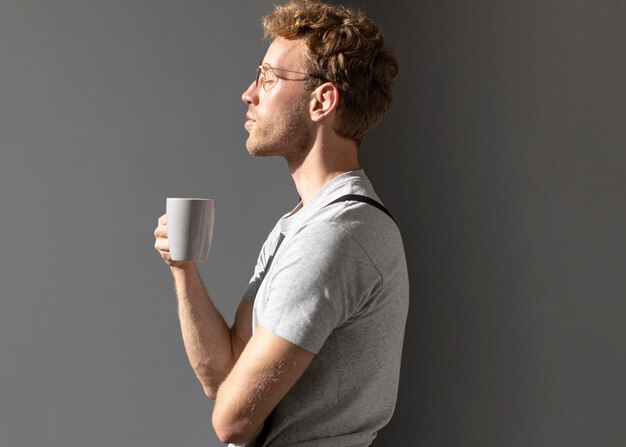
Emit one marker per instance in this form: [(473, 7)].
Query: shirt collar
[(326, 194)]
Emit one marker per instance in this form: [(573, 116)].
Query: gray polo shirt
[(337, 286)]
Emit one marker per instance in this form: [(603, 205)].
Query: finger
[(160, 232), (162, 245), (163, 219)]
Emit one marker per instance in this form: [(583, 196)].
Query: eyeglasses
[(266, 76)]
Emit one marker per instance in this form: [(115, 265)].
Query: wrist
[(182, 267)]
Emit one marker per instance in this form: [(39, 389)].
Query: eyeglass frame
[(265, 66)]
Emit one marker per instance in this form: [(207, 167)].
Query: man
[(313, 356)]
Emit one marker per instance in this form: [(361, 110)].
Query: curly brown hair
[(346, 47)]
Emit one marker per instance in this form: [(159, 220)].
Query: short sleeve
[(321, 277)]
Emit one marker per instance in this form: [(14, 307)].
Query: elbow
[(210, 392), (210, 379), (230, 430), (230, 437), (210, 386)]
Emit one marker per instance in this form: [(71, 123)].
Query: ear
[(324, 102)]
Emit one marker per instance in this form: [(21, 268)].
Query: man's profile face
[(278, 120)]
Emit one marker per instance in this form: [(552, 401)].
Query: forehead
[(285, 53)]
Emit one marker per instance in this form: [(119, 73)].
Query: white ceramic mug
[(190, 228)]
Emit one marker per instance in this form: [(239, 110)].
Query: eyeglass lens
[(266, 77)]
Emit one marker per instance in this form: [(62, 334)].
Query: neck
[(321, 164)]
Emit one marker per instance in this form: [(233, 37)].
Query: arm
[(252, 373), (212, 347), (266, 370)]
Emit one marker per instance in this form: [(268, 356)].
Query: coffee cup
[(189, 228)]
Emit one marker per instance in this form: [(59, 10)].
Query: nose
[(250, 96)]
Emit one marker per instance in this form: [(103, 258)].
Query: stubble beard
[(287, 135)]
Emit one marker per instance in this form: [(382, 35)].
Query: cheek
[(267, 113), (278, 108)]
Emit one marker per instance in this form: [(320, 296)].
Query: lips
[(250, 120)]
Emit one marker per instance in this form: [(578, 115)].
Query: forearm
[(206, 336)]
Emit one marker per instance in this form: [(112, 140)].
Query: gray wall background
[(503, 160)]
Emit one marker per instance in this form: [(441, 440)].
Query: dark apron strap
[(268, 264), (364, 199)]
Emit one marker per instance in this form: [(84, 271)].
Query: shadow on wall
[(502, 160)]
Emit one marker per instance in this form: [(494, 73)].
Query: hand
[(162, 245)]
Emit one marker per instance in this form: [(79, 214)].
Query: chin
[(257, 150)]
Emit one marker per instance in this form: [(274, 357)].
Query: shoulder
[(367, 224), (324, 239), (321, 250)]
